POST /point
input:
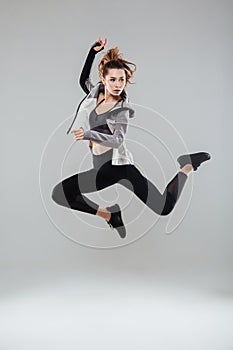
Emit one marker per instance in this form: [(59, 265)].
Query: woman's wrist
[(96, 43), (87, 135)]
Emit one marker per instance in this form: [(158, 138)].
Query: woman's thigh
[(88, 181), (131, 178), (69, 188)]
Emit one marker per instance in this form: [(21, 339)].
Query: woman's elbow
[(117, 141), (82, 83)]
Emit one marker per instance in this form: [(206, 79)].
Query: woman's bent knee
[(169, 205), (58, 194), (167, 210)]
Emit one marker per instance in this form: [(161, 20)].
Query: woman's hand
[(102, 44), (78, 133)]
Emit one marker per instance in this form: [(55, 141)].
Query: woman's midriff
[(98, 149)]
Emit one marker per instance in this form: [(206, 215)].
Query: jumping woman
[(103, 117)]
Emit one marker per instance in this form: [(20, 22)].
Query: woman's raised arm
[(84, 79)]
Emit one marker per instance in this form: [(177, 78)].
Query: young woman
[(103, 117)]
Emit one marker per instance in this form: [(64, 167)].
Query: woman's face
[(115, 81)]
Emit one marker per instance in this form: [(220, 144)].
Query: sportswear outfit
[(115, 164)]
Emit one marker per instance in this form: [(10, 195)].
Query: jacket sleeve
[(84, 80), (117, 138)]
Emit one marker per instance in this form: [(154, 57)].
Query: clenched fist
[(78, 133)]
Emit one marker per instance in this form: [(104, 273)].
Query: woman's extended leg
[(160, 203)]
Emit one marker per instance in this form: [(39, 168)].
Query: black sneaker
[(195, 159), (116, 220)]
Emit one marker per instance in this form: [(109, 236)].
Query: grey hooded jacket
[(117, 120)]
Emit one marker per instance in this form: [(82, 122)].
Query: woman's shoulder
[(99, 97), (124, 107)]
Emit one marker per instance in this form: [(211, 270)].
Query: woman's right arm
[(84, 79)]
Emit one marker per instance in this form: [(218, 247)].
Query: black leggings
[(69, 192)]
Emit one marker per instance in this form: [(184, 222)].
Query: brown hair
[(113, 59)]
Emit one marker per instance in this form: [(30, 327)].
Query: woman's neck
[(108, 98), (111, 100)]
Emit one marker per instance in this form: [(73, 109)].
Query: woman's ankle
[(187, 168), (103, 213)]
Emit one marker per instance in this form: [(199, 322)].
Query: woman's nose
[(117, 85)]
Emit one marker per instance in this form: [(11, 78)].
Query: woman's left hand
[(78, 133)]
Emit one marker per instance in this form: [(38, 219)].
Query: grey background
[(49, 284)]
